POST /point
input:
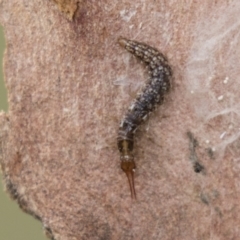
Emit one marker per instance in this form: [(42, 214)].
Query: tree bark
[(69, 84)]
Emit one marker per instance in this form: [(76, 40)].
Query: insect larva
[(146, 101)]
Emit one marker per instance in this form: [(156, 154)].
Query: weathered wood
[(69, 84)]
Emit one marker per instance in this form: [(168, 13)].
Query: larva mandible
[(146, 101)]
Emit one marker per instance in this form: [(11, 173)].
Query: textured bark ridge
[(68, 7), (69, 84)]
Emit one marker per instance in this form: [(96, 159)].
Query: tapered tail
[(130, 176)]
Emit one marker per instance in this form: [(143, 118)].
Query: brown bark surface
[(69, 84)]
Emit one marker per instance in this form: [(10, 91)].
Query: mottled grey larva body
[(146, 101)]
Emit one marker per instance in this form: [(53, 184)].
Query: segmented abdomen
[(155, 88)]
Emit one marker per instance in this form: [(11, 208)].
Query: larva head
[(127, 44), (123, 41)]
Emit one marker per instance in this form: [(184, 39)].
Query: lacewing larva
[(146, 101)]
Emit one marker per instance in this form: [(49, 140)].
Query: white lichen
[(214, 59)]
